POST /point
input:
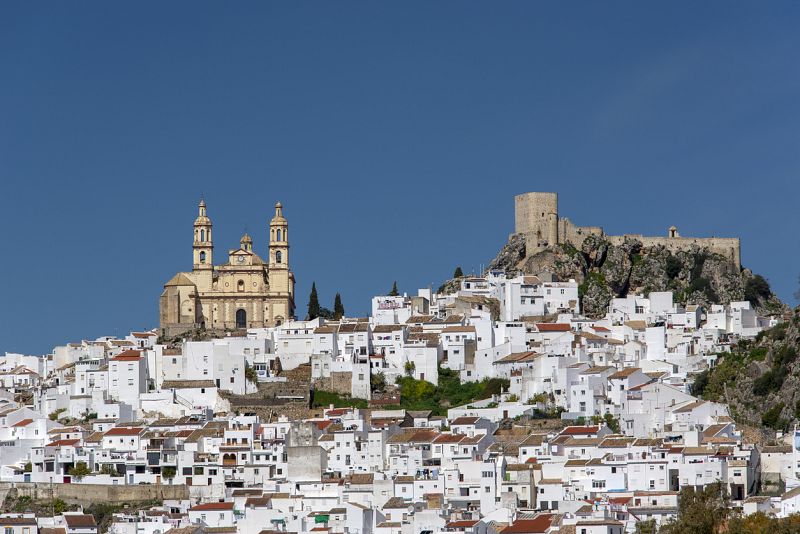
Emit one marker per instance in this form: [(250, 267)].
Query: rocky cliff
[(605, 271), (759, 379)]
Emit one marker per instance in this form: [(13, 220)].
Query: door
[(241, 318)]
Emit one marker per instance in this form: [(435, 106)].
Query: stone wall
[(338, 382), (86, 494)]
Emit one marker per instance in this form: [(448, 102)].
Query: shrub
[(756, 288), (700, 383), (673, 267), (323, 399), (79, 471), (772, 417), (770, 381)]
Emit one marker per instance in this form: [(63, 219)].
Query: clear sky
[(394, 133)]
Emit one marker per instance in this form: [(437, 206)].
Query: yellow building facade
[(244, 292)]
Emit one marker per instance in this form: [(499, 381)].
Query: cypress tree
[(459, 273), (338, 307), (394, 292), (313, 303)]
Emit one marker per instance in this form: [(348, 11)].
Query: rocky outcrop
[(759, 379), (605, 271)]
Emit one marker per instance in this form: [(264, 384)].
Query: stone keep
[(244, 292), (536, 217)]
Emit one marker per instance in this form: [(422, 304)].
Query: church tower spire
[(203, 247), (279, 240)]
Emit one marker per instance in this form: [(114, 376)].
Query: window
[(240, 286), (278, 235), (202, 257), (278, 257)]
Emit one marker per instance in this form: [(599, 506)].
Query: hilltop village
[(491, 406)]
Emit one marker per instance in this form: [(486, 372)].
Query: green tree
[(394, 292), (338, 307), (700, 512), (410, 367), (458, 272), (313, 303), (250, 373), (168, 473), (109, 470), (377, 382), (79, 471), (28, 467), (646, 527), (611, 422)]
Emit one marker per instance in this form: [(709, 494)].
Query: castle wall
[(536, 217), (726, 246), (570, 233)]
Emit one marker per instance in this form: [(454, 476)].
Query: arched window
[(278, 234), (278, 257), (202, 256), (202, 235), (240, 285), (241, 318)]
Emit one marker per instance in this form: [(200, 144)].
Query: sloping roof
[(127, 356), (179, 279), (580, 430), (624, 373), (80, 520), (124, 431), (689, 407), (212, 506), (553, 327), (518, 357), (538, 525)]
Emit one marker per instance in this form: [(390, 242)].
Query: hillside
[(605, 271), (759, 379)]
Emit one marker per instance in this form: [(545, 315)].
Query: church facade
[(244, 292)]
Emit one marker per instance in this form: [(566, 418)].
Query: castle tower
[(536, 217), (246, 243), (279, 251), (203, 247)]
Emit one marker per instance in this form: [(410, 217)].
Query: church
[(244, 292)]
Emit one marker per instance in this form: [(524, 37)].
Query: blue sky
[(395, 134)]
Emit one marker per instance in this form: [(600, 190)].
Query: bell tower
[(203, 247), (279, 252)]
